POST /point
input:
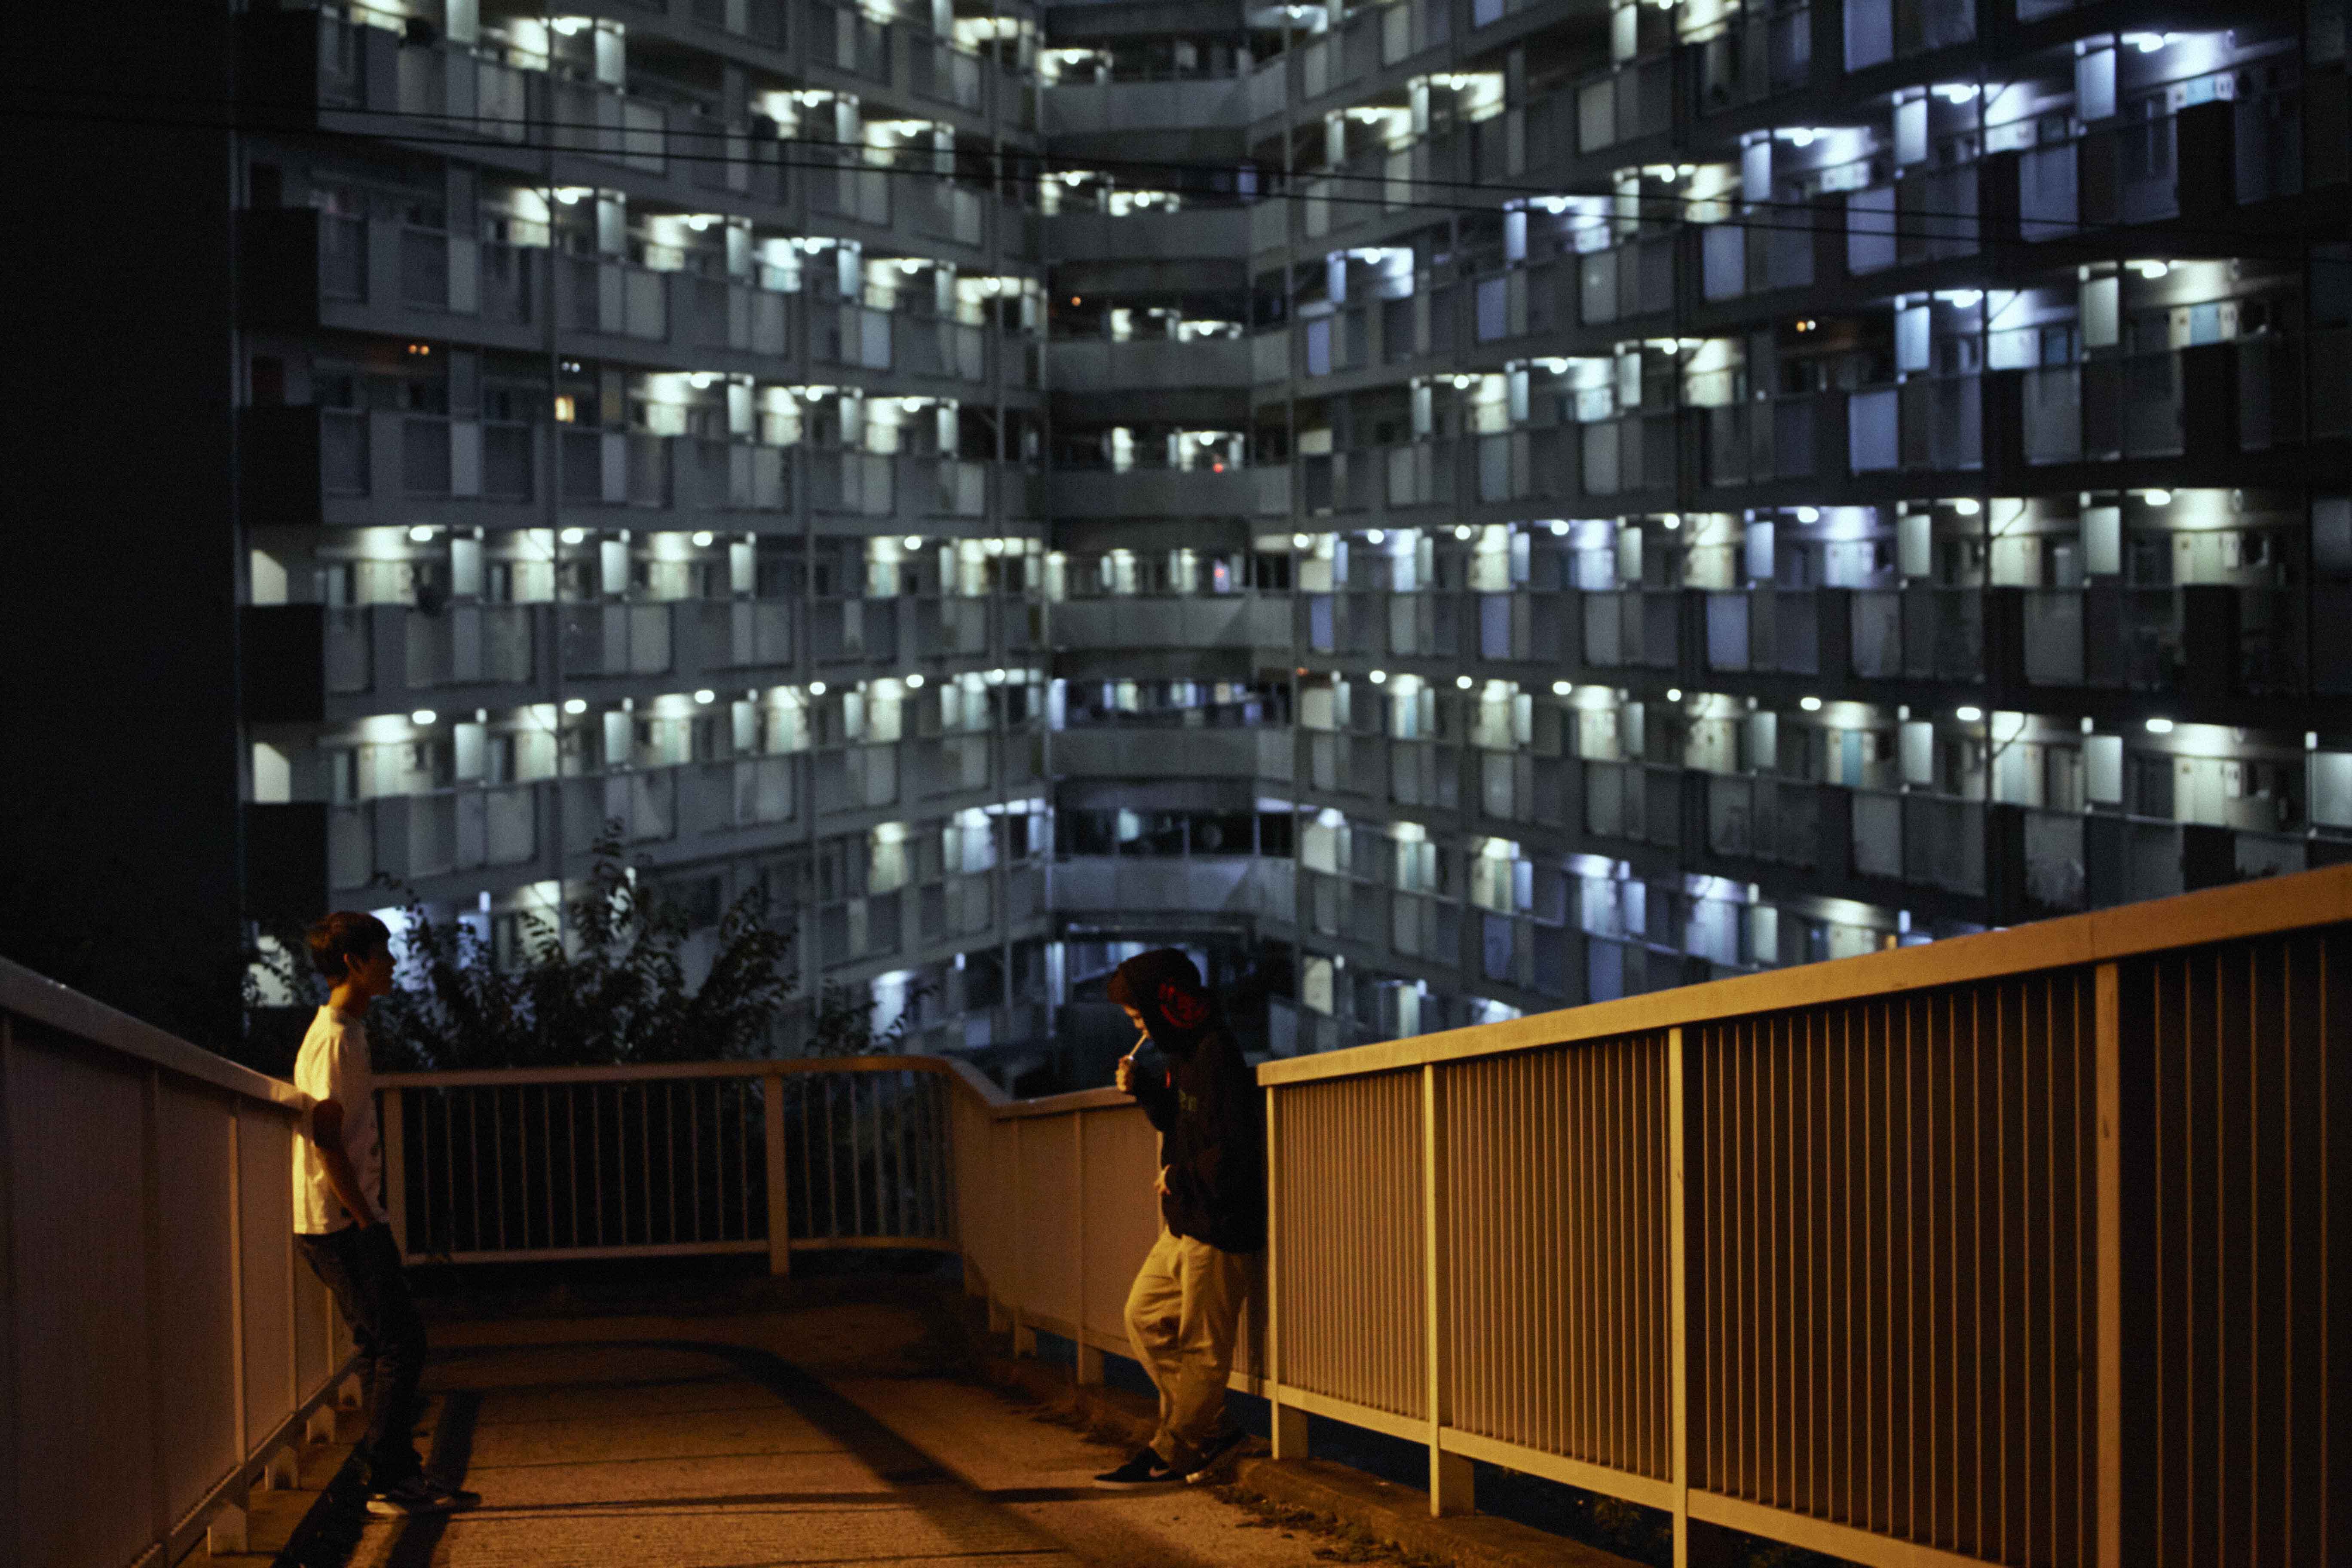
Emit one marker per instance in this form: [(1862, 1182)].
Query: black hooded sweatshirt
[(1206, 1102)]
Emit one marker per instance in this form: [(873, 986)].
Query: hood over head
[(1164, 987)]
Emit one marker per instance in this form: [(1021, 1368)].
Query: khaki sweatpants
[(1182, 1316)]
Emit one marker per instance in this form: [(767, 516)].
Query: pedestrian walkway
[(819, 1437)]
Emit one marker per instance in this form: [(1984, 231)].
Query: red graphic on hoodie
[(1180, 1008)]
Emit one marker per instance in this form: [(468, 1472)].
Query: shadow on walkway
[(627, 1450)]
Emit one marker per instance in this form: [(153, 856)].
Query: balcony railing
[(616, 638), (412, 837), (1568, 1245), (1921, 633), (465, 645), (1758, 57)]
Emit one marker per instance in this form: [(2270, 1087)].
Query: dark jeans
[(361, 1269)]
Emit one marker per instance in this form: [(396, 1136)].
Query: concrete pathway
[(818, 1436)]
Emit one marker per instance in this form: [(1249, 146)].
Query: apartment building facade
[(1446, 509), (1770, 483)]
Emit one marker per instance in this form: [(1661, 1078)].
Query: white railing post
[(2107, 1072), (1289, 1421), (1089, 1360), (10, 1502), (1677, 1319), (1025, 1337), (237, 1348), (779, 1224), (1450, 1475), (396, 1167), (150, 1139)]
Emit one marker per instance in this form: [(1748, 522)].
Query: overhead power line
[(1015, 168)]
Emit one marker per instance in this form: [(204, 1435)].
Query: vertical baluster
[(723, 1117), (837, 1150), (498, 1166), (693, 1088), (884, 1137), (547, 1153), (735, 1104), (936, 1107), (779, 1251), (424, 1099), (901, 1189), (804, 1089), (646, 1157), (860, 1146), (571, 1162), (596, 1152), (474, 1161)]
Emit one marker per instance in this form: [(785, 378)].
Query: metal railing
[(2010, 1249), (665, 1159), (162, 1351), (2002, 1250)]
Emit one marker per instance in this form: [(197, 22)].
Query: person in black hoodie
[(1185, 1309)]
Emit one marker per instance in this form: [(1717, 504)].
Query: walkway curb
[(1396, 1515)]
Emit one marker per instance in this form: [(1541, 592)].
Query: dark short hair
[(335, 939)]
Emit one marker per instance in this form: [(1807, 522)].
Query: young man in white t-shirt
[(339, 1214)]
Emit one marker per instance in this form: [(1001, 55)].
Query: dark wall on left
[(119, 772)]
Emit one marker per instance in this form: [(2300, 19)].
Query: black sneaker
[(1214, 1455), (420, 1494), (1146, 1470)]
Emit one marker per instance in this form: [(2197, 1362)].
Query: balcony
[(2157, 160), (1754, 58), (686, 803), (1206, 622), (2103, 410), (1144, 753), (1759, 629), (469, 644), (1927, 423), (1146, 367), (1792, 437), (381, 275), (1635, 802), (1599, 288), (333, 64), (1171, 493), (857, 337), (2241, 396), (1632, 453), (1369, 43), (1225, 885), (1624, 104), (1919, 632), (312, 663), (1194, 234), (1919, 839), (1736, 260), (911, 488), (347, 465), (1633, 627), (2207, 640), (693, 478), (691, 314), (1751, 816), (617, 639), (1931, 217), (414, 838), (1185, 104)]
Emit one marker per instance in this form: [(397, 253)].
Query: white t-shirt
[(333, 1065)]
